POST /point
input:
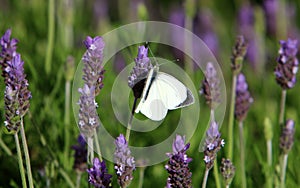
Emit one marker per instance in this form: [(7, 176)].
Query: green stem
[(130, 120), (242, 154), (205, 178), (21, 167), (78, 179), (282, 107), (67, 123), (66, 177), (231, 118), (4, 147), (216, 174), (51, 28), (283, 170), (26, 153), (269, 155), (141, 177), (188, 64), (216, 169), (97, 145), (269, 151), (90, 152)]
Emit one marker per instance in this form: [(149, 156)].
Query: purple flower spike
[(16, 92), (98, 175), (213, 144), (88, 117), (287, 65), (138, 75), (8, 46), (287, 136), (238, 53), (80, 163), (211, 86), (227, 170), (271, 8), (243, 98), (93, 63), (177, 167), (124, 162)]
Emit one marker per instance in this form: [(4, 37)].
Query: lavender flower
[(88, 117), (238, 54), (80, 163), (138, 75), (287, 136), (93, 63), (213, 144), (287, 65), (271, 8), (227, 170), (177, 167), (124, 162), (246, 28), (204, 28), (16, 92), (98, 175), (177, 17), (211, 86), (243, 98)]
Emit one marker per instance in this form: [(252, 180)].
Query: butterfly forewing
[(172, 91), (153, 107)]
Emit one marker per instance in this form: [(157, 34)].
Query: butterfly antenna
[(151, 53)]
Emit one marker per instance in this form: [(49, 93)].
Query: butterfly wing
[(153, 106), (172, 92), (165, 92)]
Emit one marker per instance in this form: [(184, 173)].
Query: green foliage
[(44, 125)]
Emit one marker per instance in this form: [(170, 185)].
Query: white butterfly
[(162, 92)]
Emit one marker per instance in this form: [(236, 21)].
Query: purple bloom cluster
[(204, 28), (243, 98), (238, 53), (287, 136), (124, 162), (287, 65), (88, 117), (227, 170), (213, 144), (177, 167), (211, 86), (98, 175), (138, 75), (246, 28), (93, 83), (271, 8), (80, 156), (16, 92), (93, 63)]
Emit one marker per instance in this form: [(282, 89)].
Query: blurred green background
[(51, 31)]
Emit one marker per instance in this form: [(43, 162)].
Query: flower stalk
[(20, 160), (16, 98), (238, 54), (286, 143), (137, 79), (26, 153)]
